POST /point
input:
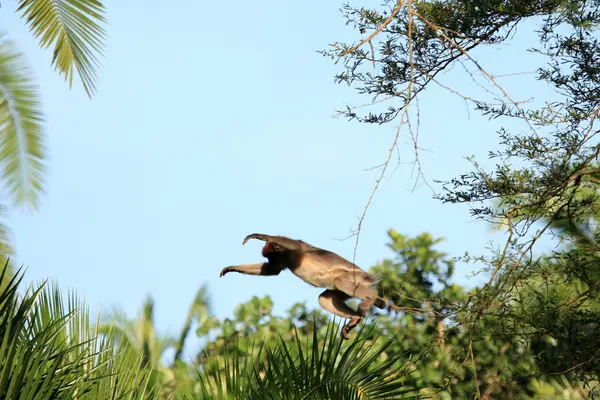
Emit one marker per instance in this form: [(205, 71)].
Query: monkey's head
[(272, 250)]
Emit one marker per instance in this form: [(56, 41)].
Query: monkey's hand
[(258, 236), (224, 271)]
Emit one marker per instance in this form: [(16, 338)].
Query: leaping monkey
[(317, 267)]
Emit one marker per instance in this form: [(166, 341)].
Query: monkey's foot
[(258, 236), (345, 330), (354, 321)]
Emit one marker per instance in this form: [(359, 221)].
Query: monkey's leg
[(286, 243), (334, 301), (264, 269), (360, 290)]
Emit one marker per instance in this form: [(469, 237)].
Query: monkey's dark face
[(272, 251)]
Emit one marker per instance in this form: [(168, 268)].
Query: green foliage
[(556, 389), (426, 340), (543, 182), (261, 356), (429, 319), (555, 303), (49, 349), (428, 38), (410, 278), (21, 149), (74, 28), (200, 311), (254, 322), (325, 367), (142, 340)]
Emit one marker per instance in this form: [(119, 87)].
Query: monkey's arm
[(286, 243), (264, 269)]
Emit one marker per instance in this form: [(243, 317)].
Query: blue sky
[(213, 120)]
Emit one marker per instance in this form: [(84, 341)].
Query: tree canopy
[(543, 181)]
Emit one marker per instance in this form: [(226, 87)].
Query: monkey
[(341, 279)]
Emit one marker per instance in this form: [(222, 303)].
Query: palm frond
[(6, 250), (49, 349), (200, 310), (74, 28), (230, 377), (21, 148), (139, 334), (322, 368), (122, 330), (6, 247), (358, 370)]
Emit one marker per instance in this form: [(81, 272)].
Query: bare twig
[(474, 368), (578, 365), (404, 113), (476, 63)]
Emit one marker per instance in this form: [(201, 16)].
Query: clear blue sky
[(213, 120)]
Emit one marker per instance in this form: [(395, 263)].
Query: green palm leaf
[(140, 334), (333, 369), (50, 350), (199, 311), (6, 247), (231, 377), (21, 148), (322, 368), (73, 26)]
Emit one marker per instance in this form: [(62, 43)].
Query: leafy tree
[(426, 318), (555, 300), (545, 170), (254, 322)]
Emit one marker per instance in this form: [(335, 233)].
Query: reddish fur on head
[(268, 249)]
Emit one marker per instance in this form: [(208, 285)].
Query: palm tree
[(316, 368), (141, 336), (73, 29), (141, 333)]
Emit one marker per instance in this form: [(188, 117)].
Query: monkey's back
[(323, 268)]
